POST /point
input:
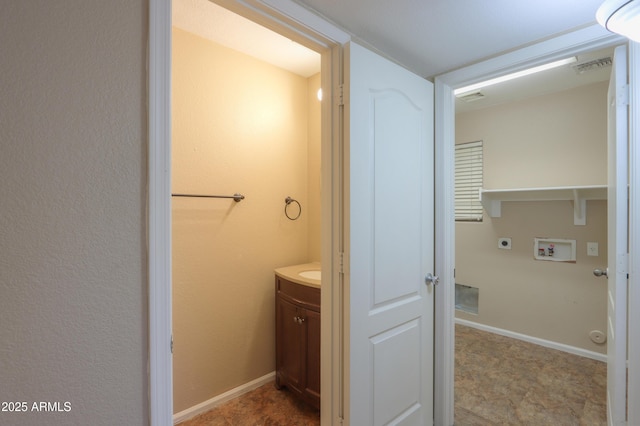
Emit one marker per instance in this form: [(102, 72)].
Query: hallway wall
[(73, 215)]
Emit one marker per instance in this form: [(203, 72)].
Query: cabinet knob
[(300, 320)]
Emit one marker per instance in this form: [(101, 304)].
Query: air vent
[(592, 65), (470, 97)]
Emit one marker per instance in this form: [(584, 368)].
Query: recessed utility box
[(554, 250)]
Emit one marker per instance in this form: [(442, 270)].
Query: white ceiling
[(431, 37), (427, 36)]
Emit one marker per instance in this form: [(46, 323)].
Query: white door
[(391, 178), (617, 240)]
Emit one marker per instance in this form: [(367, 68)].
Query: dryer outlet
[(504, 243)]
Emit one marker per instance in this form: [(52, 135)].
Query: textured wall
[(551, 140), (73, 294), (239, 125)]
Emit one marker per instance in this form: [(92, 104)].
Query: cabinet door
[(289, 349), (312, 382)]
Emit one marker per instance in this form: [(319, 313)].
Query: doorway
[(541, 139), (588, 39), (294, 22), (246, 120)]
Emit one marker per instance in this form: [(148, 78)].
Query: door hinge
[(623, 96), (340, 95), (623, 264), (172, 343), (341, 262)]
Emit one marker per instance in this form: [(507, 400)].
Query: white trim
[(633, 389), (443, 404), (222, 398), (308, 19), (160, 357), (535, 340)]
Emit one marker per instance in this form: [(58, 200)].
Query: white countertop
[(292, 273)]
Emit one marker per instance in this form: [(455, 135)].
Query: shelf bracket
[(492, 207), (579, 209)]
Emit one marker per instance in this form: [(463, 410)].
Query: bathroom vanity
[(298, 331)]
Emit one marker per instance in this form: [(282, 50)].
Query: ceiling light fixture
[(621, 17), (501, 79)]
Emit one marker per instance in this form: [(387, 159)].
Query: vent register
[(470, 97), (596, 64)]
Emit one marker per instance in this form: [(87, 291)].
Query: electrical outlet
[(504, 243)]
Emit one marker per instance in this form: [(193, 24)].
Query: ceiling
[(429, 37)]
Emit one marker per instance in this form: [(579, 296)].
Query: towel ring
[(288, 201)]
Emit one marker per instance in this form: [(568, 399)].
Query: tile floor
[(498, 381), (502, 381), (264, 406)]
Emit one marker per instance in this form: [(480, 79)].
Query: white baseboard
[(222, 398), (546, 343)]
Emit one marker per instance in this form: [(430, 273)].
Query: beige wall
[(313, 163), (552, 140), (73, 292), (239, 125), (537, 143)]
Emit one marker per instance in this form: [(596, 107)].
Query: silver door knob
[(431, 279), (601, 272)]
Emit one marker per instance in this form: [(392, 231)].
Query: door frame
[(633, 309), (583, 40), (304, 27)]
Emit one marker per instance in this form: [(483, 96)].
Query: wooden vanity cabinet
[(298, 339)]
